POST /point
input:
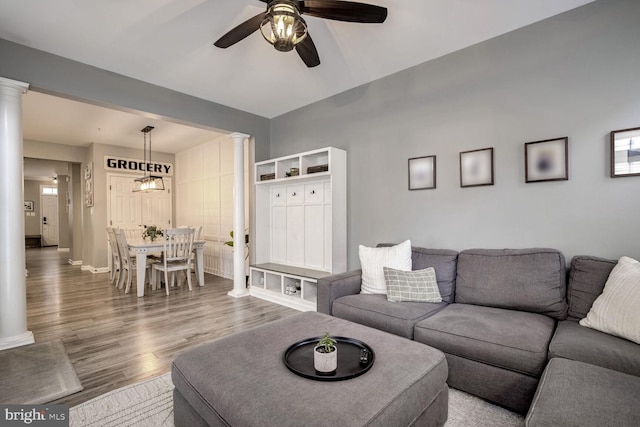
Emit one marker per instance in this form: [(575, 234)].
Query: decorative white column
[(239, 282), (13, 287)]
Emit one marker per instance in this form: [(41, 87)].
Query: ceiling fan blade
[(240, 32), (308, 52), (344, 11)]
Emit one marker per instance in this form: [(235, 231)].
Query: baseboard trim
[(17, 341), (94, 270), (63, 249), (72, 262)]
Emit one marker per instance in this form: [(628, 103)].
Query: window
[(49, 191)]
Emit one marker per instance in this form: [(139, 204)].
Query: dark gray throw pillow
[(415, 286)]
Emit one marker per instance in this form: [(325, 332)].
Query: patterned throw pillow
[(373, 259), (416, 286), (617, 310)]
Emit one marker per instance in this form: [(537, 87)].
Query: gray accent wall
[(575, 75)]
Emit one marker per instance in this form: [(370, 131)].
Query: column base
[(238, 294), (17, 341)]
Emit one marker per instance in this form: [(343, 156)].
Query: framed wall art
[(476, 167), (625, 152), (547, 160), (422, 173), (88, 185), (28, 205)]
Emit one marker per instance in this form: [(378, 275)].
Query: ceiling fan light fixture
[(283, 26)]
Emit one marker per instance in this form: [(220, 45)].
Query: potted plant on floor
[(325, 355), (246, 257)]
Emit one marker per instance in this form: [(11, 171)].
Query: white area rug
[(150, 403), (145, 404)]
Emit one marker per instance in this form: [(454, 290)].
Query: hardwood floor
[(115, 339)]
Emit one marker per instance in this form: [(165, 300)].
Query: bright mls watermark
[(34, 415)]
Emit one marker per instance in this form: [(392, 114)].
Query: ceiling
[(170, 43)]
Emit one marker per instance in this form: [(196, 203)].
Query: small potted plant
[(246, 257), (325, 355), (152, 232)]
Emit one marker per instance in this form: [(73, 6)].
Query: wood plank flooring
[(114, 339)]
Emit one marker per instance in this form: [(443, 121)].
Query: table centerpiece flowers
[(152, 231)]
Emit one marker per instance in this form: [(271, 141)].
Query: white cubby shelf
[(300, 225), (269, 281)]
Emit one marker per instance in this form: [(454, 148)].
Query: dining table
[(142, 247)]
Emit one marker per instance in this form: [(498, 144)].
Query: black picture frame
[(476, 167), (546, 160), (625, 152), (422, 173), (29, 205)]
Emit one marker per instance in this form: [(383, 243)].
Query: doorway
[(49, 215)]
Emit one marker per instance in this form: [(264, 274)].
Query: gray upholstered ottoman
[(577, 394), (241, 380)]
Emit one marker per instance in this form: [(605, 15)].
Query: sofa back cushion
[(587, 277), (443, 261), (532, 280)]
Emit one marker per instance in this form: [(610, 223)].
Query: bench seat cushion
[(513, 340), (578, 394), (375, 311), (576, 342)]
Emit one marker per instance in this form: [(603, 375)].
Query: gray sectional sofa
[(504, 315)]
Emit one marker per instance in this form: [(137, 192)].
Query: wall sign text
[(137, 166)]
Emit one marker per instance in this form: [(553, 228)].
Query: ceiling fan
[(282, 24)]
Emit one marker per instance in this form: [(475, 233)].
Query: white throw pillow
[(373, 259), (617, 310)]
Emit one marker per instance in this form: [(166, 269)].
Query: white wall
[(574, 75), (204, 197)]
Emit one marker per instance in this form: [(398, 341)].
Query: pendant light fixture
[(283, 26), (148, 182)]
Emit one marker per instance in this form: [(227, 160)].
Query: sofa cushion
[(578, 394), (513, 340), (372, 260), (576, 342), (587, 276), (532, 280), (443, 261), (413, 286), (617, 310), (375, 311)]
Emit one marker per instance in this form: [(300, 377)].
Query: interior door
[(156, 206), (49, 212), (129, 210), (125, 205)]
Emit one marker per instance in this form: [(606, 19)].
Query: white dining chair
[(194, 258), (129, 262), (116, 264), (178, 244)]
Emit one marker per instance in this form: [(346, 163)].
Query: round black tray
[(299, 359)]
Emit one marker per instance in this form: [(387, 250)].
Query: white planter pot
[(325, 362)]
